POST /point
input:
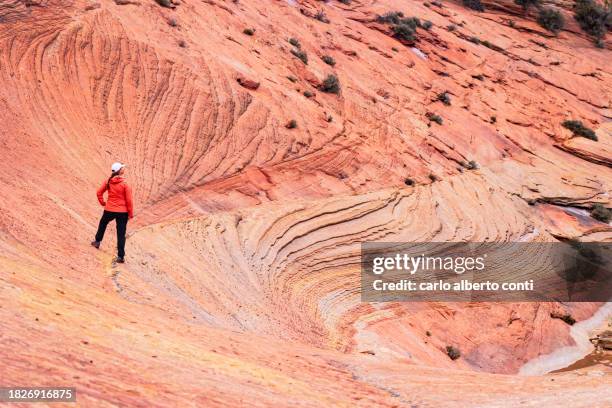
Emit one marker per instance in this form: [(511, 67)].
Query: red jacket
[(119, 196)]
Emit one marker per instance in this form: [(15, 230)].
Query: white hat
[(116, 167)]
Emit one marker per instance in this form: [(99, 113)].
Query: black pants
[(121, 220)]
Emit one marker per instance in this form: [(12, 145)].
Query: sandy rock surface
[(241, 286)]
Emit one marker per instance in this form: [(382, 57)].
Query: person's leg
[(106, 218), (122, 220)]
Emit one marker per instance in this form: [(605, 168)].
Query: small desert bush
[(594, 18), (550, 19), (165, 3), (404, 32), (295, 42), (301, 55), (474, 5), (321, 16), (392, 17), (435, 118), (444, 98), (403, 28), (488, 44), (578, 129), (330, 84), (601, 213), (427, 25), (328, 60), (292, 124), (526, 4), (472, 165), (453, 352), (249, 31)]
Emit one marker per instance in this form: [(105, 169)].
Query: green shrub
[(551, 19), (453, 352), (601, 213), (292, 124), (487, 44), (404, 32), (413, 22), (409, 182), (435, 118), (249, 31), (295, 42), (328, 60), (594, 18), (475, 40), (474, 5), (308, 94), (451, 27), (472, 165), (526, 4), (392, 17), (403, 28), (444, 98), (330, 84), (301, 55), (322, 17), (578, 129), (165, 3)]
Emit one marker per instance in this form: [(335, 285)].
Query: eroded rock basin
[(241, 286)]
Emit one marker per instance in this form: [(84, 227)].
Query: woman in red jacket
[(118, 207)]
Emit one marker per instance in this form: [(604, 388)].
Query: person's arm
[(100, 194), (128, 201)]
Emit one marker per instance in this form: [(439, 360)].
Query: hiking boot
[(119, 259), (95, 244)]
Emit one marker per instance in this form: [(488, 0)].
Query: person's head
[(117, 169)]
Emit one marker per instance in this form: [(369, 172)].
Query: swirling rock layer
[(241, 286)]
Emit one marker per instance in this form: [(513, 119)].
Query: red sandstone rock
[(243, 256)]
